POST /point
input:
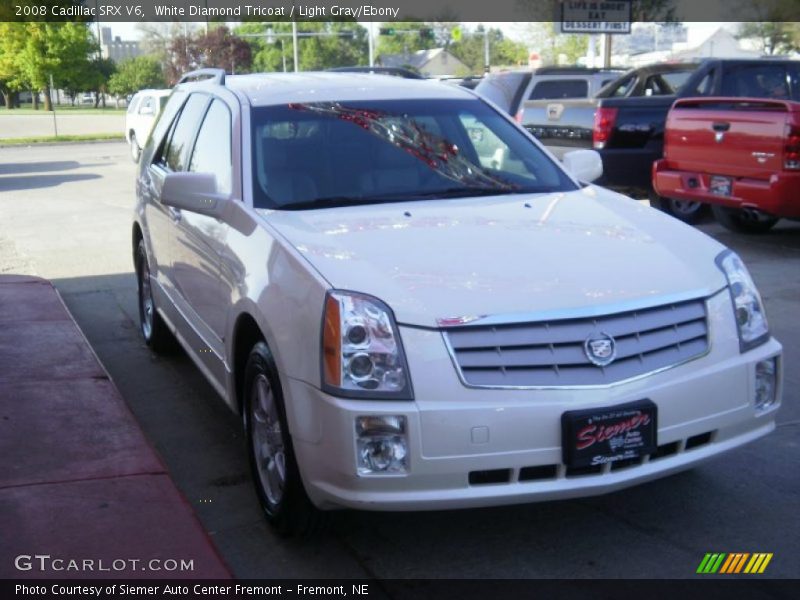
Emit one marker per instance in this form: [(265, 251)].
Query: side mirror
[(583, 165), (195, 192)]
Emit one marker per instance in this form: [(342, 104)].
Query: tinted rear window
[(757, 81), (503, 89), (560, 88)]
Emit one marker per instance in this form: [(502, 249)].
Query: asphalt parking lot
[(65, 214)]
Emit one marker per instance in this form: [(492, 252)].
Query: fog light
[(766, 383), (381, 444)]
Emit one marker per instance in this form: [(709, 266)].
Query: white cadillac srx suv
[(414, 306)]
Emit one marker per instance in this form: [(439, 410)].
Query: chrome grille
[(551, 353)]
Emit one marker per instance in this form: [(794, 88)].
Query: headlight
[(751, 320), (362, 356)]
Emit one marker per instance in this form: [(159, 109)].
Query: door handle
[(721, 126), (174, 214)]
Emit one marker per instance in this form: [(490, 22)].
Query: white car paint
[(509, 259), (142, 113)]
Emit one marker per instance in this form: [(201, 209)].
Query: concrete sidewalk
[(79, 482)]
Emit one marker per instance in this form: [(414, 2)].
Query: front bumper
[(705, 407), (776, 196)]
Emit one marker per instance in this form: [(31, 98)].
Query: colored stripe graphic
[(728, 564), (758, 563), (711, 563)]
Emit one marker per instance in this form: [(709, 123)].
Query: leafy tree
[(57, 50), (344, 43), (135, 74), (470, 49), (407, 40), (12, 78), (772, 37), (102, 70), (217, 48)]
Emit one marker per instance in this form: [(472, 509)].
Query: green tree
[(102, 70), (343, 43), (470, 50), (12, 77), (58, 50), (136, 74), (406, 39), (772, 37)]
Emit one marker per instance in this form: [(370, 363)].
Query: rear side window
[(212, 150), (560, 88), (175, 152), (757, 81), (705, 87), (134, 103), (147, 107), (676, 80), (504, 89)]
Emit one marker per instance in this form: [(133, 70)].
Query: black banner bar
[(396, 10)]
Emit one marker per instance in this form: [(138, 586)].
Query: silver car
[(414, 306)]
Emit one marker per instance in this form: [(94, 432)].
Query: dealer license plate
[(720, 186), (601, 435)]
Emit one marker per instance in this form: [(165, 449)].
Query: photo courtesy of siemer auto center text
[(400, 299)]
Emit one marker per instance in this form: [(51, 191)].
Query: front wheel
[(272, 461), (743, 221)]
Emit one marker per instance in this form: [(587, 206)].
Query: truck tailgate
[(738, 138), (560, 122)]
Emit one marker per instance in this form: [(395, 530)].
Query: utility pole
[(486, 50), (52, 105), (371, 46)]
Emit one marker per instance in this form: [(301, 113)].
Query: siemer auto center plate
[(596, 436)]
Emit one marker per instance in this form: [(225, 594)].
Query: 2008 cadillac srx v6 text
[(414, 306)]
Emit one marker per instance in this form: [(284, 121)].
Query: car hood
[(527, 257)]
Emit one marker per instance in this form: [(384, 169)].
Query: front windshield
[(324, 154)]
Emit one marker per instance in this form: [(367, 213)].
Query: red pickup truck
[(741, 155)]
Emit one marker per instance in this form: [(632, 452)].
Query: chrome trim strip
[(452, 354), (604, 310)]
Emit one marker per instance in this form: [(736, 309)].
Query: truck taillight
[(791, 148), (604, 119), (518, 116)]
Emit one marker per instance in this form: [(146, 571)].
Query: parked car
[(568, 124), (740, 155), (509, 89), (413, 306), (629, 132), (143, 110)]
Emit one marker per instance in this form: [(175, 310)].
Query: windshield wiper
[(453, 192)]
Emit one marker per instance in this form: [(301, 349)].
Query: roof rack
[(218, 75)]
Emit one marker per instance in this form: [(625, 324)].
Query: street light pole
[(486, 49), (294, 47), (371, 46)]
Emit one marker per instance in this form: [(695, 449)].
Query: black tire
[(155, 332), (274, 469), (136, 150), (683, 210), (743, 221)]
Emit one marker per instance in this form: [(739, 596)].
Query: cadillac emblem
[(600, 349)]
